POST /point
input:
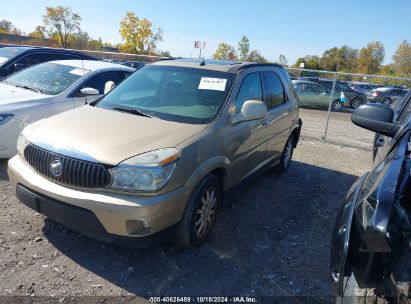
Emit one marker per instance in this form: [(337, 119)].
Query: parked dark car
[(14, 59), (386, 95), (354, 98), (134, 64), (364, 87), (370, 252)]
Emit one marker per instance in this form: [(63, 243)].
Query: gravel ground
[(341, 130), (273, 240)]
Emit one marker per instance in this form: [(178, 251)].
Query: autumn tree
[(8, 28), (61, 22), (139, 34), (243, 48), (225, 51), (371, 57), (39, 32), (402, 59), (255, 56)]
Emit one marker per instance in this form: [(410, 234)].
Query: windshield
[(47, 78), (178, 94), (8, 53)]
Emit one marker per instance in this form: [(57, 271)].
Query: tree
[(8, 28), (225, 51), (339, 59), (282, 60), (371, 57), (402, 59), (60, 22), (311, 62), (79, 40), (243, 48), (255, 56), (139, 35), (39, 32)]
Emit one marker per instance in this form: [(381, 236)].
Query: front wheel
[(337, 106), (200, 214), (356, 295), (286, 156)]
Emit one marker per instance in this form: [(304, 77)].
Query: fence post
[(330, 107)]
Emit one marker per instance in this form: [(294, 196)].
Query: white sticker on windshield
[(79, 72), (216, 84), (3, 59)]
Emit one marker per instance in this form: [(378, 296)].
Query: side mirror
[(89, 91), (19, 66), (375, 117), (251, 110)]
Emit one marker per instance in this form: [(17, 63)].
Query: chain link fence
[(328, 98)]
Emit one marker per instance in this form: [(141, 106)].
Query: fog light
[(136, 228)]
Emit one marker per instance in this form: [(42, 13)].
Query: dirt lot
[(339, 127), (273, 241)]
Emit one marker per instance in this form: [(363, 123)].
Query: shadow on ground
[(273, 240)]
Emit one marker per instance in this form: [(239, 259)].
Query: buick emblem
[(56, 167)]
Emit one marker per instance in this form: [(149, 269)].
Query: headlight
[(145, 172), (21, 141), (5, 118)]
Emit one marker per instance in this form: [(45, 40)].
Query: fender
[(206, 167), (341, 237)]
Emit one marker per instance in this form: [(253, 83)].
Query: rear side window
[(250, 90), (275, 90)]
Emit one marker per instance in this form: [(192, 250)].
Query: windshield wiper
[(27, 88), (131, 111)]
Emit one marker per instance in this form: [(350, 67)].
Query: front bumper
[(109, 217)]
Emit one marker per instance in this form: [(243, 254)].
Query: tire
[(355, 103), (189, 234), (286, 156), (337, 106), (356, 295)]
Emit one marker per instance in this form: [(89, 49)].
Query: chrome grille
[(74, 172)]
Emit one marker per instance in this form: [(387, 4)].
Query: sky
[(294, 28)]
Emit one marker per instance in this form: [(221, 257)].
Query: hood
[(13, 98), (108, 136)]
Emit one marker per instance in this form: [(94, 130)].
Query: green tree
[(61, 22), (225, 51), (311, 62), (39, 32), (79, 40), (139, 34), (402, 59), (339, 59), (243, 48), (371, 57)]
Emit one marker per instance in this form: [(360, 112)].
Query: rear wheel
[(286, 156), (200, 214), (355, 103)]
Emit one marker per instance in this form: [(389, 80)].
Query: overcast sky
[(294, 28)]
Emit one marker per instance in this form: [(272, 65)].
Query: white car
[(51, 88)]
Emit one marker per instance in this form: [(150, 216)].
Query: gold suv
[(155, 157)]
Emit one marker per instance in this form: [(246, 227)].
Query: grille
[(74, 172)]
